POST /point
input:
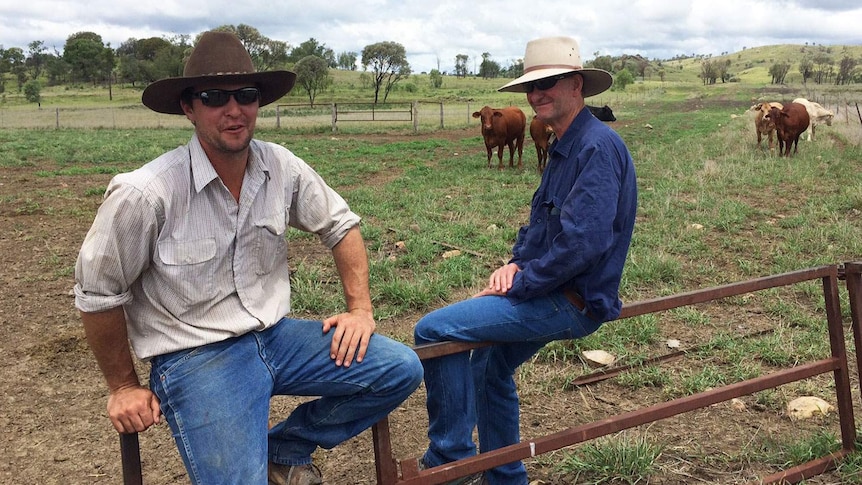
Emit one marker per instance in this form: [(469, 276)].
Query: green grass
[(619, 459), (713, 210)]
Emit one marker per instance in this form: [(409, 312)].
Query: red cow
[(790, 123), (501, 127), (541, 134)]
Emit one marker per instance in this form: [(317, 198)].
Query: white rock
[(599, 358), (806, 407)]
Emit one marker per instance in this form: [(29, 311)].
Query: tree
[(266, 54), (602, 62), (845, 70), (388, 62), (822, 67), (779, 71), (147, 60), (622, 79), (806, 68), (709, 71), (461, 65), (488, 69), (312, 47), (36, 58), (347, 61), (13, 59), (312, 74), (33, 91), (436, 79), (88, 58)]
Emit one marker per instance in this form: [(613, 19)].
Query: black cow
[(604, 113)]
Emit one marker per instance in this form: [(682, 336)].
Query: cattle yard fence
[(392, 471), (417, 116)]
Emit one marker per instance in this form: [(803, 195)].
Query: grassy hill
[(749, 69)]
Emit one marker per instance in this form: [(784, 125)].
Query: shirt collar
[(203, 172), (565, 143)]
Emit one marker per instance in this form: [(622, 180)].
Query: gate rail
[(387, 466)]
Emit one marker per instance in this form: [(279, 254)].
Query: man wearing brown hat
[(562, 281), (187, 261)]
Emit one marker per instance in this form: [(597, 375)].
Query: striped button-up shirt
[(189, 264)]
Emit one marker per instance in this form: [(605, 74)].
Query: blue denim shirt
[(581, 219)]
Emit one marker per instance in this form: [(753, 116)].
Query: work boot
[(294, 475), (474, 479)]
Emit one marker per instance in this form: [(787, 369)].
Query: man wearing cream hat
[(563, 278)]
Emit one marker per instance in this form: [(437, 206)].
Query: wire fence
[(401, 115), (417, 116)]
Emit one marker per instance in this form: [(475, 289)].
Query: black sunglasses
[(219, 97), (546, 83)]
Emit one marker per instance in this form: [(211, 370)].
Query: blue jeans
[(477, 388), (216, 398)]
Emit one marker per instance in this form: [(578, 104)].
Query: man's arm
[(131, 407), (354, 328)]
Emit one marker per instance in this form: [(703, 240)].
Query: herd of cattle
[(505, 127), (788, 122), (502, 127)]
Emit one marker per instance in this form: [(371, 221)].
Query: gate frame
[(387, 466)]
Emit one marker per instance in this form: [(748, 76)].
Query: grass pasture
[(713, 209)]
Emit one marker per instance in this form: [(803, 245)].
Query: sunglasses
[(546, 83), (220, 97)]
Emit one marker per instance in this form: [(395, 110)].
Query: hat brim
[(596, 81), (163, 96)]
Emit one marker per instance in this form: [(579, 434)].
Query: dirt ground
[(53, 420)]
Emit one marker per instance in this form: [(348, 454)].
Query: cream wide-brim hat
[(552, 56)]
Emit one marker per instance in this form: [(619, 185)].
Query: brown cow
[(500, 127), (764, 126), (541, 134), (790, 123)]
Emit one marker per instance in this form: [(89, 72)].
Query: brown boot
[(294, 475)]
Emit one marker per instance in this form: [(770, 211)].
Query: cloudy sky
[(434, 31)]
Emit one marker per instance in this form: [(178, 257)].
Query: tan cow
[(765, 126), (817, 114), (541, 134)]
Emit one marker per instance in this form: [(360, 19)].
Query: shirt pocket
[(188, 268), (551, 210), (270, 242)]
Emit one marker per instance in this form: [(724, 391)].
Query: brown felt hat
[(218, 57), (553, 56)]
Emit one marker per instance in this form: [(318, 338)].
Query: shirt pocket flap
[(177, 253)]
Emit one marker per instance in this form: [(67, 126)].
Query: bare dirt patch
[(53, 421)]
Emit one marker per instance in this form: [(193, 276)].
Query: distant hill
[(752, 65)]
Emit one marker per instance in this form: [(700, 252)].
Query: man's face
[(558, 103), (226, 129)]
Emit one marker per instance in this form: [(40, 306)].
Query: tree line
[(137, 62)]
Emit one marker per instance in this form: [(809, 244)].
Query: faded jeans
[(216, 398), (477, 388)]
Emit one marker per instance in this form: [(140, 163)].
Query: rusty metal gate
[(390, 473)]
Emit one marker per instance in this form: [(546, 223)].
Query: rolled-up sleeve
[(115, 251), (318, 209)]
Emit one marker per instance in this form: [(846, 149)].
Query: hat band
[(552, 66)]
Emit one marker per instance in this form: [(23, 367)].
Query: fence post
[(57, 118), (278, 116), (415, 116), (441, 115), (334, 117)]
